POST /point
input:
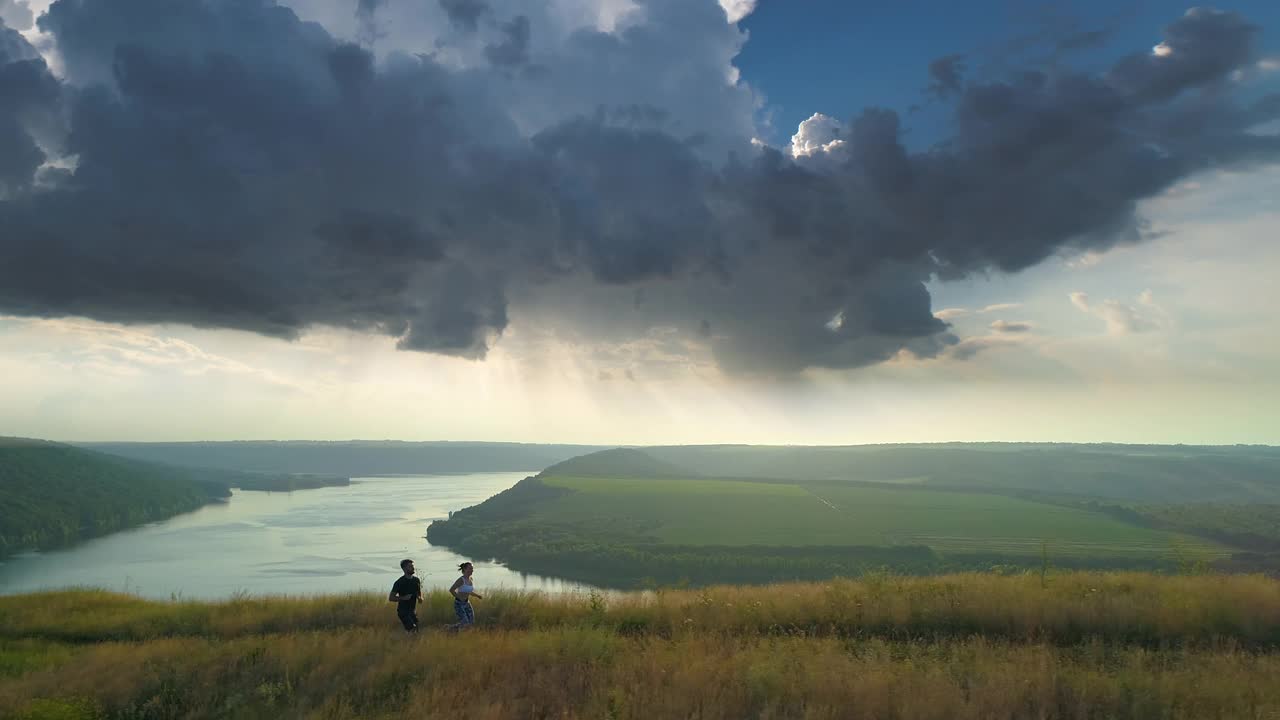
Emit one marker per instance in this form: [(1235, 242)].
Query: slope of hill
[(624, 518), (57, 494), (350, 459), (965, 647)]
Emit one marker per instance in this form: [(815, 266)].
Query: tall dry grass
[(595, 673), (1074, 645), (1132, 608)]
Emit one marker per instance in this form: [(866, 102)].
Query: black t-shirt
[(406, 585)]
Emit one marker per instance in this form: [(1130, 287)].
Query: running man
[(406, 592)]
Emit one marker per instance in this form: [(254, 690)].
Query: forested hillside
[(53, 494)]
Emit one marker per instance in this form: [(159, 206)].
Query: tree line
[(55, 494)]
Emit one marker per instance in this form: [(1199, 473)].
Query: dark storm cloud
[(513, 49), (633, 202), (1083, 40), (31, 97), (1050, 160), (1201, 48), (946, 75), (237, 167), (14, 47), (465, 14), (1264, 110), (366, 16), (241, 169)]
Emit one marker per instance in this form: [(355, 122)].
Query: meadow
[(725, 512), (1065, 645)]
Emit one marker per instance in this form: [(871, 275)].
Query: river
[(326, 540)]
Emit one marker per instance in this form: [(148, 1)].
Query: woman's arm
[(453, 589)]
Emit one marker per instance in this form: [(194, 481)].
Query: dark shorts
[(409, 619), (466, 616)]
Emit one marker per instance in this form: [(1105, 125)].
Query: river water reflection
[(308, 542)]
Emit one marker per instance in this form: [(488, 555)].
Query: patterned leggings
[(466, 615)]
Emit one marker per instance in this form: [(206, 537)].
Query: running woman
[(463, 589)]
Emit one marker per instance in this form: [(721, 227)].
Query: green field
[(1118, 473), (725, 512)]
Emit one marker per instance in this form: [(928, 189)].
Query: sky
[(668, 221)]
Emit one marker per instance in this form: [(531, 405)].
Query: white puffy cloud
[(820, 134), (738, 9), (16, 14)]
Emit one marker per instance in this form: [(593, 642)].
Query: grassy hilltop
[(1070, 645)]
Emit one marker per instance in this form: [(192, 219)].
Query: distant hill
[(353, 458), (55, 494), (1119, 473), (710, 514), (1125, 473), (618, 462)]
